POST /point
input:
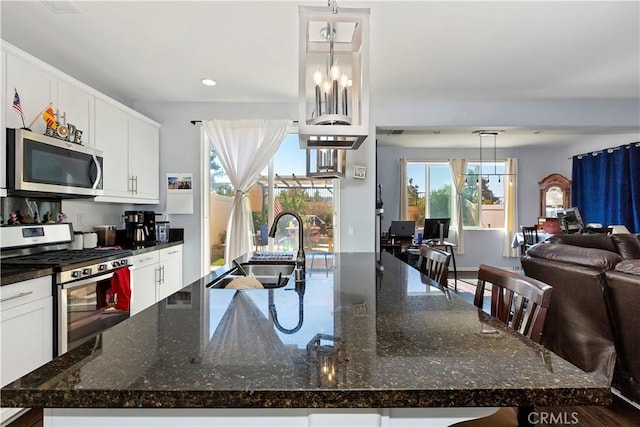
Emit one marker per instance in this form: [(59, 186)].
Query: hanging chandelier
[(481, 174), (333, 99)]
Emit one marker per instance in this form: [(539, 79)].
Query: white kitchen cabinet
[(170, 280), (144, 279), (155, 276), (3, 118), (144, 159), (131, 154), (111, 136), (36, 86), (26, 330), (76, 104)]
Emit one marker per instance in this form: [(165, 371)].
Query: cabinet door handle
[(131, 180), (136, 181), (20, 295), (162, 267), (172, 252)]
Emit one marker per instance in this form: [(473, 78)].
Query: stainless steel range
[(81, 280)]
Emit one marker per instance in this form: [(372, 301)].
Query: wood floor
[(618, 414)]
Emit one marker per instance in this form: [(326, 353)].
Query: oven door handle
[(87, 280), (92, 279)]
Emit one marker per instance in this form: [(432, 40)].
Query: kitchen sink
[(271, 276), (260, 270)]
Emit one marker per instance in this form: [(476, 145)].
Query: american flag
[(16, 104), (277, 207)]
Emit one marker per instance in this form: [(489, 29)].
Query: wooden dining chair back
[(434, 263), (530, 237), (519, 301)]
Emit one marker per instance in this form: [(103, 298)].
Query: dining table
[(370, 341)]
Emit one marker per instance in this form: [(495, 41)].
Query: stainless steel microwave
[(39, 165)]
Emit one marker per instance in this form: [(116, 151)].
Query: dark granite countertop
[(369, 337), (14, 274), (10, 274), (142, 249)]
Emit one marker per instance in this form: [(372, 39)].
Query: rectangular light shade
[(327, 163), (333, 111)]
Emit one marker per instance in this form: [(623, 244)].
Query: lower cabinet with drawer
[(155, 276), (26, 331), (170, 280)]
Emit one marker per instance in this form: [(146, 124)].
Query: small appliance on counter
[(90, 240), (162, 232), (140, 227), (106, 234)]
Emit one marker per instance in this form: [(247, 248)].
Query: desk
[(393, 351), (397, 248)]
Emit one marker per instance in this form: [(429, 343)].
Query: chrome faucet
[(300, 262)]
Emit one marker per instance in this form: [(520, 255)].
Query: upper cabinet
[(555, 194), (144, 159), (75, 106), (36, 87), (111, 136), (3, 119), (130, 142), (131, 153)]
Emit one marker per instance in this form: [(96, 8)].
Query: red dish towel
[(121, 288)]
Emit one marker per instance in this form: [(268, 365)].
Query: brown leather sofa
[(595, 309)]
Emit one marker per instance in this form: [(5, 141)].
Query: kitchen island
[(363, 331)]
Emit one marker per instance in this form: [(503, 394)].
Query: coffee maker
[(140, 227)]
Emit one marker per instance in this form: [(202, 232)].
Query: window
[(431, 193), (434, 180), (312, 199), (483, 195)]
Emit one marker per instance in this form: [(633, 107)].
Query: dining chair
[(521, 303), (434, 263), (530, 236)]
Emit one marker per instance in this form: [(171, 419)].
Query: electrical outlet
[(80, 219), (351, 230), (517, 268)]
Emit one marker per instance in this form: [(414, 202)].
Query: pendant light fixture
[(326, 163), (333, 98), (488, 134)]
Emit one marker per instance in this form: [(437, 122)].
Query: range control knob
[(102, 267), (86, 271), (75, 274)]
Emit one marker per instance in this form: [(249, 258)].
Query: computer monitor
[(431, 229), (402, 230), (570, 219)]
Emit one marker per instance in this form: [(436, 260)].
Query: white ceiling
[(427, 51)]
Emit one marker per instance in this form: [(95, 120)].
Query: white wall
[(84, 214)]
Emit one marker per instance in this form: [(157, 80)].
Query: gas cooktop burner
[(64, 258)]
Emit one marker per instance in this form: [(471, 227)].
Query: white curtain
[(404, 195), (510, 207), (458, 169), (244, 147)]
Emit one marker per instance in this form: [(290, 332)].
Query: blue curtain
[(606, 186)]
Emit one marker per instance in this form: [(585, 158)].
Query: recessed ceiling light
[(208, 82)]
